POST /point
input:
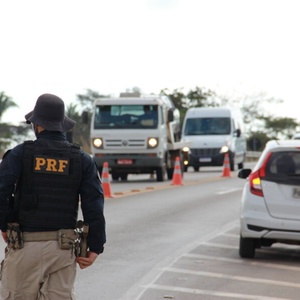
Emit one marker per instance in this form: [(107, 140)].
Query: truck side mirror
[(170, 115), (238, 132), (85, 117)]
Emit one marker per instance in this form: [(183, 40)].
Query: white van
[(213, 131)]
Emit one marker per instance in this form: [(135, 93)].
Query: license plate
[(296, 192), (124, 161), (205, 159)]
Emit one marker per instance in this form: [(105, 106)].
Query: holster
[(81, 247), (67, 238), (14, 236)]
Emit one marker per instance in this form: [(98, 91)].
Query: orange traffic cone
[(226, 166), (105, 181), (177, 178)]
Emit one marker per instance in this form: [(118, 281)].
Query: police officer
[(49, 178)]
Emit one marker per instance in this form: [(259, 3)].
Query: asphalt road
[(181, 242)]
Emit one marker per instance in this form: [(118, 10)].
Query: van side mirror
[(170, 115), (85, 117), (238, 132)]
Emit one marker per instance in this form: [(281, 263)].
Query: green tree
[(6, 129), (80, 133), (198, 97), (278, 128), (84, 103), (5, 103), (257, 141)]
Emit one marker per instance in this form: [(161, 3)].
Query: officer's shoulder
[(76, 146), (16, 151), (6, 153)]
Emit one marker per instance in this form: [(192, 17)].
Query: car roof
[(282, 144), (277, 146)]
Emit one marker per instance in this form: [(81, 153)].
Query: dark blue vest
[(47, 193)]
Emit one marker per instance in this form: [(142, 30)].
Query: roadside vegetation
[(260, 125)]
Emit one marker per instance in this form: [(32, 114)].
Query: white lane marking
[(219, 245), (243, 261), (231, 277), (213, 293), (137, 291), (230, 235), (229, 191)]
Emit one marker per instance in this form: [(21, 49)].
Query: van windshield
[(126, 116), (207, 126)]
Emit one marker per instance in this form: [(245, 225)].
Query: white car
[(270, 208)]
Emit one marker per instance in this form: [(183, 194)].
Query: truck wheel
[(247, 247), (160, 173), (115, 176), (123, 176), (100, 171)]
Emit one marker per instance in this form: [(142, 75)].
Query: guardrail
[(252, 155)]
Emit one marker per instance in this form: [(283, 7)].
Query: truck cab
[(136, 135)]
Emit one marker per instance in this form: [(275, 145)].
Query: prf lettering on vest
[(51, 165)]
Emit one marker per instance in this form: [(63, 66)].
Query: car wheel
[(247, 247)]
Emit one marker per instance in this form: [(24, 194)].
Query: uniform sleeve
[(92, 204), (10, 170)]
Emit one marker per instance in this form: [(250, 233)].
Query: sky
[(233, 47)]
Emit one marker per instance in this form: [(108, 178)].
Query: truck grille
[(124, 143)]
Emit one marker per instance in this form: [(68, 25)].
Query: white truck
[(137, 135)]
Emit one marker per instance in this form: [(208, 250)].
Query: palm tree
[(5, 129), (80, 133), (5, 103)]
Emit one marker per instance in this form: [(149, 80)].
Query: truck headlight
[(152, 142), (98, 143)]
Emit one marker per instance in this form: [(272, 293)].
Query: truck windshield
[(207, 126), (126, 116)]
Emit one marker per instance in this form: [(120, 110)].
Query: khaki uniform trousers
[(38, 271)]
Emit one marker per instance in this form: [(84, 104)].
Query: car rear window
[(284, 167)]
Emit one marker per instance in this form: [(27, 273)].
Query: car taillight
[(255, 187), (255, 177)]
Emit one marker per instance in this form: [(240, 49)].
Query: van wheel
[(247, 247), (196, 169), (241, 165), (231, 162)]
